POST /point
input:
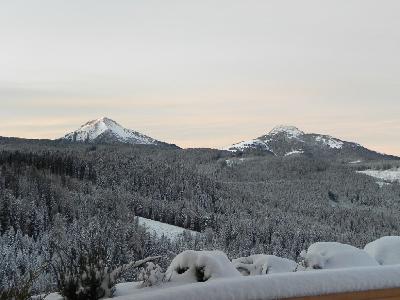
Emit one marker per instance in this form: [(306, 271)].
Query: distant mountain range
[(107, 131), (289, 141), (281, 141)]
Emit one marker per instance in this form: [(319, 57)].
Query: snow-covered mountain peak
[(92, 129), (286, 140), (290, 131), (103, 121), (107, 130)]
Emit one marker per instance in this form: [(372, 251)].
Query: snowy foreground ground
[(325, 268), (273, 286)]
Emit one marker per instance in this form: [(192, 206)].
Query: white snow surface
[(213, 264), (277, 286), (93, 129), (355, 162), (127, 288), (261, 264), (246, 144), (332, 255), (51, 296), (330, 141), (386, 250), (392, 175), (159, 229), (290, 131), (294, 152)]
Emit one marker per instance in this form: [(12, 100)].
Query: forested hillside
[(64, 205)]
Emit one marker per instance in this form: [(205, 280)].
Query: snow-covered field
[(160, 229), (391, 175)]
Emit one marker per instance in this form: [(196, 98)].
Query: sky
[(202, 73)]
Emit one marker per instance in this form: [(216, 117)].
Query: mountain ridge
[(286, 140)]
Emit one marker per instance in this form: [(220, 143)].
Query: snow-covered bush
[(88, 257), (261, 264), (385, 250), (151, 275), (199, 266), (332, 255)]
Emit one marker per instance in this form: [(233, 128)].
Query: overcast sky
[(202, 73)]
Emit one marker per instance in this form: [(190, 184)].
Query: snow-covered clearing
[(391, 175), (162, 229), (355, 162), (294, 152)]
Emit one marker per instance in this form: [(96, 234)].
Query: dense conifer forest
[(66, 206)]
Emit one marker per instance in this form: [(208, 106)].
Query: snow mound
[(261, 264), (199, 266), (385, 250), (162, 229), (332, 255)]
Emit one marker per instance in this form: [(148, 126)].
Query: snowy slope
[(391, 175), (160, 229), (107, 130), (330, 142), (241, 146)]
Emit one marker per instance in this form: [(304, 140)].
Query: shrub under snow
[(385, 250), (332, 255), (261, 264), (151, 275), (198, 266)]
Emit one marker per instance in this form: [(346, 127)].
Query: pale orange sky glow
[(203, 73)]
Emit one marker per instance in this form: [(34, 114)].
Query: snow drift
[(386, 250), (200, 266), (261, 264), (332, 255)]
